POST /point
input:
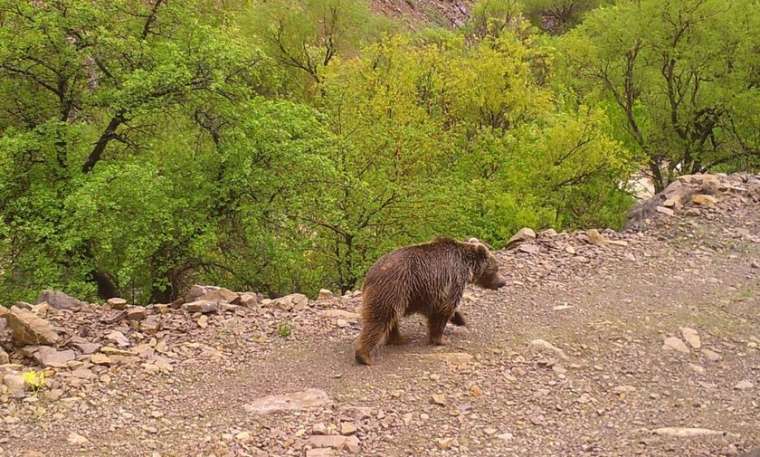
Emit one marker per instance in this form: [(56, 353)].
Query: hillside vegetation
[(283, 145)]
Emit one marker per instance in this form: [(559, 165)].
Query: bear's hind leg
[(371, 335), (458, 319)]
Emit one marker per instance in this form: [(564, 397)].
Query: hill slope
[(447, 13)]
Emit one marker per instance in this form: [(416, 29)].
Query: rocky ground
[(419, 13), (643, 343)]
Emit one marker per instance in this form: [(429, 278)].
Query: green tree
[(305, 36), (494, 17), (526, 158), (284, 145), (455, 137), (384, 166), (681, 77), (86, 84), (558, 16)]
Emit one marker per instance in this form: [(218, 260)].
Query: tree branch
[(151, 19), (100, 146)]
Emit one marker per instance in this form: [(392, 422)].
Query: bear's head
[(485, 268)]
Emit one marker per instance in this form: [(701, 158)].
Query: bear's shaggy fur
[(427, 279)]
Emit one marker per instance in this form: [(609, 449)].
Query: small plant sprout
[(284, 330), (35, 380)]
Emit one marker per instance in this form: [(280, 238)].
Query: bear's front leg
[(436, 325)]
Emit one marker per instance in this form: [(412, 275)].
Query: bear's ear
[(480, 250), (478, 242)]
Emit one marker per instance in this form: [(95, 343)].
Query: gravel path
[(647, 346)]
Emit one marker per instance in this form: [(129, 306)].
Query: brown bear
[(427, 279)]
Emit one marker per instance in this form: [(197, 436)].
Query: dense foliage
[(284, 145)]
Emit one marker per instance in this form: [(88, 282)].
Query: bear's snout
[(492, 282)]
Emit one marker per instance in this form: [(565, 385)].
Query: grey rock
[(151, 325), (246, 299), (524, 234), (692, 337), (296, 401), (119, 338), (201, 306), (675, 344), (543, 345), (711, 355), (15, 384), (211, 294), (340, 314), (51, 357), (59, 300), (117, 303), (320, 452), (686, 432), (325, 294), (335, 441), (744, 385), (290, 302), (136, 313), (529, 248)]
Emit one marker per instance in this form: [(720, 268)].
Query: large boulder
[(524, 234), (246, 299), (28, 328), (59, 300), (210, 294), (291, 302), (695, 189), (703, 184)]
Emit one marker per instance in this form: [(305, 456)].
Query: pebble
[(439, 399), (692, 337), (347, 428), (697, 368), (545, 345), (712, 356), (675, 344), (685, 432), (744, 385), (76, 439)]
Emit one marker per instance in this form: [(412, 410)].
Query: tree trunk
[(657, 178), (107, 287)]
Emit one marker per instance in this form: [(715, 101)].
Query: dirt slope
[(604, 385)]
